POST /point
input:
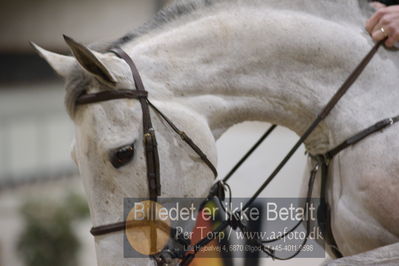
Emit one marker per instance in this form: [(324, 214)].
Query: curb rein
[(218, 189)]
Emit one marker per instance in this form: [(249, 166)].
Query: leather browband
[(110, 95)]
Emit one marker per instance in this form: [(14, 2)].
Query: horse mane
[(170, 13), (351, 13), (337, 10)]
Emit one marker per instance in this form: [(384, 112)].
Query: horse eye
[(122, 156)]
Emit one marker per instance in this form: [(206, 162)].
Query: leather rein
[(218, 189)]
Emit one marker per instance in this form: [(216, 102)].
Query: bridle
[(218, 189), (150, 149), (149, 138), (150, 142)]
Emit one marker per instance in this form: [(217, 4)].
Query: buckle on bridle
[(149, 138), (217, 190)]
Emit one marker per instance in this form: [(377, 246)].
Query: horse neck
[(230, 68)]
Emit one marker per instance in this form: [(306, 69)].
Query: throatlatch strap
[(186, 139)]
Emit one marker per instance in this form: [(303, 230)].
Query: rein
[(218, 189), (323, 212)]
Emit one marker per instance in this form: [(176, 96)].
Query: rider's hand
[(385, 23)]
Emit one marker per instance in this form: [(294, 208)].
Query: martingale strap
[(380, 125), (324, 210), (320, 117)]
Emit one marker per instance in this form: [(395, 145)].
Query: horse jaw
[(101, 128)]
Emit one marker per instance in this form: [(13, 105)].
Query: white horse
[(210, 64)]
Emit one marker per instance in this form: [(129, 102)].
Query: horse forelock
[(76, 84)]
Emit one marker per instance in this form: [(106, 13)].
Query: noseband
[(217, 191)]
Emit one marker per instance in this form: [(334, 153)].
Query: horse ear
[(90, 61), (60, 63)]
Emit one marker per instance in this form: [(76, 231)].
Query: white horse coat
[(212, 64)]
